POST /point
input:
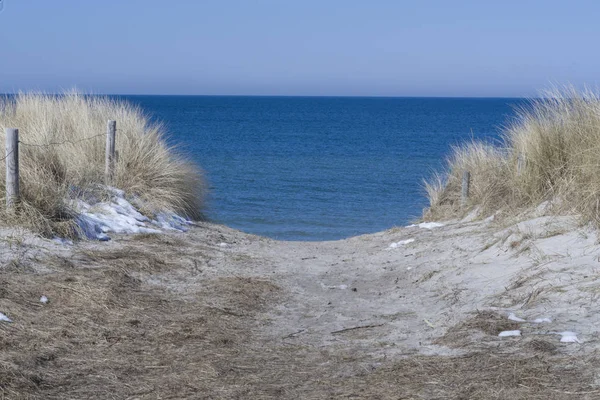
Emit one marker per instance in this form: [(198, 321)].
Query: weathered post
[(466, 183), (110, 151), (520, 164), (12, 167)]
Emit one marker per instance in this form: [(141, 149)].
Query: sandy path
[(239, 316), (404, 297)]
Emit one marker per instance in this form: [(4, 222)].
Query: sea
[(321, 168)]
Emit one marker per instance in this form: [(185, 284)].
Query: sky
[(299, 47)]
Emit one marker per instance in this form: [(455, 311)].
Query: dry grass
[(108, 334), (484, 376), (559, 137), (62, 154), (489, 181), (487, 322)]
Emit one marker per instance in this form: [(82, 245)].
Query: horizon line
[(269, 95)]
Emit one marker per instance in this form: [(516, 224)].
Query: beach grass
[(62, 154), (557, 136)]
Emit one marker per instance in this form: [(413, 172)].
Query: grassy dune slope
[(558, 137), (62, 153)]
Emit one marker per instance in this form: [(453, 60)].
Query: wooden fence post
[(466, 183), (110, 151), (12, 167)]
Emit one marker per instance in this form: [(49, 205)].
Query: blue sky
[(302, 47)]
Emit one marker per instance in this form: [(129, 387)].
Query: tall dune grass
[(559, 137), (62, 152)]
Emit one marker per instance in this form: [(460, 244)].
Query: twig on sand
[(293, 334), (356, 327), (226, 311)]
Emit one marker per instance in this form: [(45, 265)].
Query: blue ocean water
[(320, 168)]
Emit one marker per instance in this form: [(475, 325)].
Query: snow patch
[(401, 243), (513, 317), (568, 337), (541, 320), (118, 215), (510, 333), (172, 221), (427, 225)]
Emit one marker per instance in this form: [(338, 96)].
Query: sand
[(412, 312)]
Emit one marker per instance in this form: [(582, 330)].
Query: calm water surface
[(320, 168)]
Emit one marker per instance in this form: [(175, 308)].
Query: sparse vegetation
[(62, 153), (558, 136)]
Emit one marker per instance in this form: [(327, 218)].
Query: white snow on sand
[(171, 221), (427, 225), (510, 333), (401, 243), (568, 337), (541, 320), (513, 317), (118, 215), (4, 318)]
